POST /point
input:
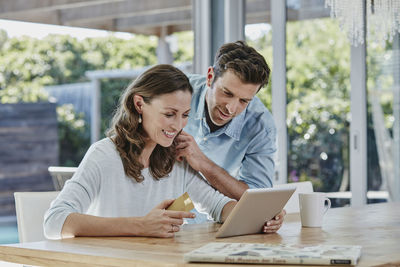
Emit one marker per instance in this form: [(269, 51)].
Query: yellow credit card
[(182, 203)]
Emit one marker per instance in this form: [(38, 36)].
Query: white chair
[(60, 175), (292, 206), (30, 208)]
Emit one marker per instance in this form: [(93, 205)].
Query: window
[(318, 100)]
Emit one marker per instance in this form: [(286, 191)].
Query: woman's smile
[(169, 134)]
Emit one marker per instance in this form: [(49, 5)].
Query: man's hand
[(272, 226), (220, 179), (187, 148)]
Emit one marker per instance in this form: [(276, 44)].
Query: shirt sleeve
[(203, 195), (258, 167), (75, 197)]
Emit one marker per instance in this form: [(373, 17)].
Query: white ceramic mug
[(313, 207)]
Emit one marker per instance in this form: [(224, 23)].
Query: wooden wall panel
[(28, 146)]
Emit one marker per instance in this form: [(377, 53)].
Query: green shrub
[(73, 134), (28, 92)]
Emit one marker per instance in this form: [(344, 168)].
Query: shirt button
[(205, 139)]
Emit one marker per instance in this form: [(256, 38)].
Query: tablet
[(255, 207)]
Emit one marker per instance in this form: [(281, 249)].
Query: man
[(230, 135)]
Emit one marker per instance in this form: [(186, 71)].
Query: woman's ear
[(138, 102), (210, 76)]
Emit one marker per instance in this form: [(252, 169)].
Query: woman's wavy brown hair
[(128, 134)]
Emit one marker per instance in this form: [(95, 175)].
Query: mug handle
[(327, 207)]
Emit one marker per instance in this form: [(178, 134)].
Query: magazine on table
[(275, 254)]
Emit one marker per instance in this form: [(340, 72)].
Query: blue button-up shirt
[(244, 147)]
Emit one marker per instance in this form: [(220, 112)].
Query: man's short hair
[(244, 61)]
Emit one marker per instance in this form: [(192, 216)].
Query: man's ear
[(138, 102), (210, 76)]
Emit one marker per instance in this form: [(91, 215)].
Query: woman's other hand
[(160, 222)]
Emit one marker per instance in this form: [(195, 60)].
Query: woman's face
[(165, 116)]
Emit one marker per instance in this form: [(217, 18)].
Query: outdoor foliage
[(73, 135), (264, 46), (318, 97), (318, 86), (28, 64), (182, 47), (111, 90), (318, 90)]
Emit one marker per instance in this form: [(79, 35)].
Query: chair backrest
[(30, 208), (292, 206), (60, 175)]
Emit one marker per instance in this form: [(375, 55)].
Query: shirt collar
[(199, 112), (234, 128)]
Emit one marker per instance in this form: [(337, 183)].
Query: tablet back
[(254, 208)]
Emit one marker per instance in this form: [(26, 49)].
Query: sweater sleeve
[(76, 196), (203, 195)]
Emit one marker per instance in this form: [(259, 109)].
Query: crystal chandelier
[(383, 18)]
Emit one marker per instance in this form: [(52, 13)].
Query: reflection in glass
[(383, 119)]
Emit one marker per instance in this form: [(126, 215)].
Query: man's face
[(228, 97)]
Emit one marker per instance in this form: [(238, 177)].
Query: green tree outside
[(28, 64)]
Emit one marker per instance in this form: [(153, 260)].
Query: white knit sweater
[(101, 188)]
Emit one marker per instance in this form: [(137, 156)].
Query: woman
[(122, 178)]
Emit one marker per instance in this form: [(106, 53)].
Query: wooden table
[(375, 227)]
